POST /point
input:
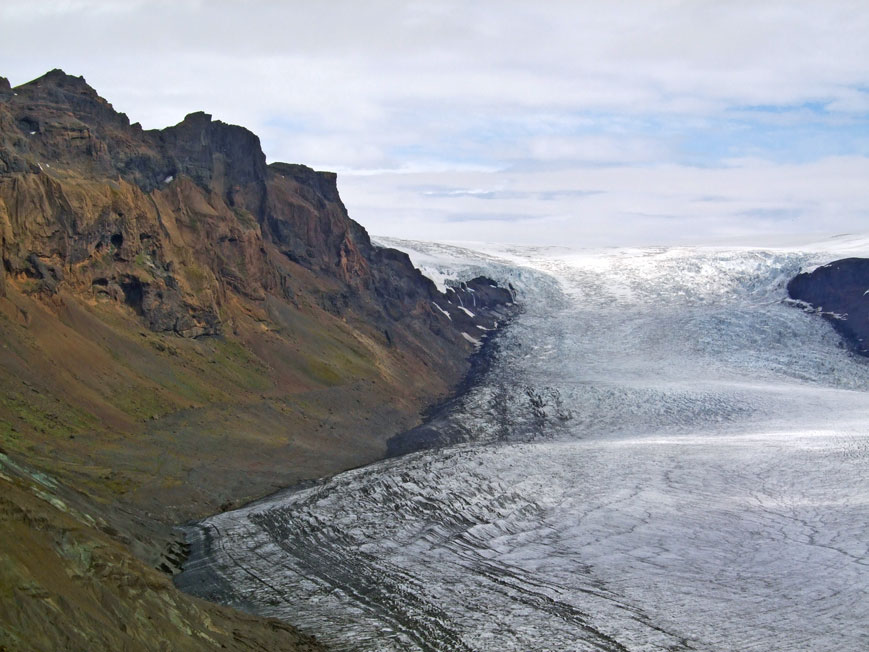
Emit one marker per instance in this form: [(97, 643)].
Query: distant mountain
[(183, 328)]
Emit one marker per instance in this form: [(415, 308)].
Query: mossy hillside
[(58, 570), (159, 415)]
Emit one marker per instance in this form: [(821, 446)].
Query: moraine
[(663, 455)]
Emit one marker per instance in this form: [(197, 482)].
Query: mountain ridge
[(184, 328)]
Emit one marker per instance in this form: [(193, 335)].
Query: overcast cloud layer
[(584, 123)]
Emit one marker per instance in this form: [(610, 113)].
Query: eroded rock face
[(175, 222), (839, 292)]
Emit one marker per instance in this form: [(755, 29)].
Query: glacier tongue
[(662, 456)]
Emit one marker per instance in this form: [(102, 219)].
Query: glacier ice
[(664, 455)]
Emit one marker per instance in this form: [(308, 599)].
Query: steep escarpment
[(185, 327), (838, 292)]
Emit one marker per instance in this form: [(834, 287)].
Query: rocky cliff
[(184, 327), (839, 292)]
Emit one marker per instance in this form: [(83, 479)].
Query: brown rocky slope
[(182, 328)]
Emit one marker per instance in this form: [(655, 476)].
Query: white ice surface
[(444, 312), (664, 456)]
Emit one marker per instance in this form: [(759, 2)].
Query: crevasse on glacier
[(663, 456)]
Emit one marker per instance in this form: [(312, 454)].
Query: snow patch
[(442, 310)]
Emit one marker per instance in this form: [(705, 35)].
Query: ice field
[(664, 455)]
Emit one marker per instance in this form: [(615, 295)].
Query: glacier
[(662, 455)]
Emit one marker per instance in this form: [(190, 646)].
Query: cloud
[(528, 105), (617, 205)]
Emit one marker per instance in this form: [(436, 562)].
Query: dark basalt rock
[(163, 309), (479, 303), (49, 275), (839, 292), (214, 154)]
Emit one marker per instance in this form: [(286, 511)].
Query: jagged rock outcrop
[(169, 221), (184, 327), (839, 292)]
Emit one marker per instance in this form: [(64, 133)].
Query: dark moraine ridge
[(491, 303)]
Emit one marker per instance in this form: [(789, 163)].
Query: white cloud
[(616, 205), (554, 89)]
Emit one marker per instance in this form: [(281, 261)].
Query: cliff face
[(171, 222), (185, 327), (838, 292)]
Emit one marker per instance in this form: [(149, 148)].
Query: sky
[(584, 123)]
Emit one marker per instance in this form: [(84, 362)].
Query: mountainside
[(838, 292), (681, 464), (184, 327)]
